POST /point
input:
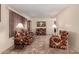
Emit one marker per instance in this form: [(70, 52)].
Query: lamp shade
[(54, 26), (20, 26)]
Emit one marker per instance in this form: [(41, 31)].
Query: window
[(14, 19)]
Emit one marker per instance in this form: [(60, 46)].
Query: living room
[(42, 21)]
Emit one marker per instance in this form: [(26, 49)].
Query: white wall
[(5, 41), (69, 20), (49, 23)]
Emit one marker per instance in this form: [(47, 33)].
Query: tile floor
[(40, 45)]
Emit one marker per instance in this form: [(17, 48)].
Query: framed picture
[(41, 24), (0, 12)]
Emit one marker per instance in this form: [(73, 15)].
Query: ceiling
[(39, 10)]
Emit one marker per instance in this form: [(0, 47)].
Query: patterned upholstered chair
[(59, 42), (23, 38)]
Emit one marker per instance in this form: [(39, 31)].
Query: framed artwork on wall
[(41, 24), (0, 12)]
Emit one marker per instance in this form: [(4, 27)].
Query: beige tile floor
[(40, 45)]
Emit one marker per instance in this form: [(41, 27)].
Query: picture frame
[(41, 24), (0, 12)]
